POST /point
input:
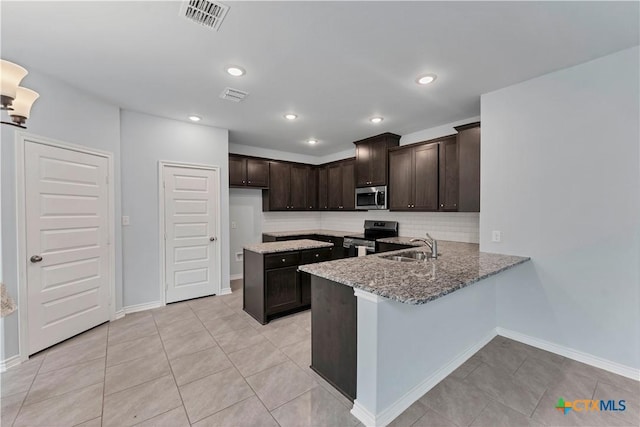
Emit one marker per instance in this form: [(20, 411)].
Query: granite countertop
[(286, 246), (401, 241), (332, 233), (418, 282)]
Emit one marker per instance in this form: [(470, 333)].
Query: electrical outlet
[(239, 256), (234, 225), (125, 220), (496, 236)]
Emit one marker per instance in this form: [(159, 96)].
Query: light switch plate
[(234, 225), (125, 220), (496, 236)]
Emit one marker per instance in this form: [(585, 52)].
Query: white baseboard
[(392, 412), (236, 276), (10, 362), (141, 307), (589, 359), (225, 291), (119, 314)]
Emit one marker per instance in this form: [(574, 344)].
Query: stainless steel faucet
[(431, 244)]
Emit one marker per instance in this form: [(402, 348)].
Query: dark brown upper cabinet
[(341, 189), (372, 159), (448, 191), (288, 187), (323, 189), (468, 141), (312, 188), (413, 178), (248, 172)]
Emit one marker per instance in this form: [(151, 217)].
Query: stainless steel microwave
[(371, 197)]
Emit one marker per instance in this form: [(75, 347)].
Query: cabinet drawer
[(283, 259), (316, 255)]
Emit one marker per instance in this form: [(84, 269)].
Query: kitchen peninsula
[(391, 327)]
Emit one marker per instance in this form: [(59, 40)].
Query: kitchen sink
[(410, 256)]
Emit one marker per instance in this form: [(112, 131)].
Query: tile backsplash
[(453, 226)]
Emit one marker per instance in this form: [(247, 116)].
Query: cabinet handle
[(317, 255), (284, 260), (243, 181), (441, 205), (249, 182), (408, 206)]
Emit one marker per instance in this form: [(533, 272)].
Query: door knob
[(35, 258), (212, 238)]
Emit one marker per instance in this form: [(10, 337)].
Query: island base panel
[(334, 334)]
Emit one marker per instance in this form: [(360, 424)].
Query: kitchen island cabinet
[(273, 286), (415, 322)]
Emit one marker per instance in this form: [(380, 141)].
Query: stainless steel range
[(372, 230)]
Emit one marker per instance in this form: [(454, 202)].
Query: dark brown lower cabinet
[(334, 334), (282, 289), (274, 287)]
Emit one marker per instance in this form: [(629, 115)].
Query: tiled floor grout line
[(104, 381), (29, 390), (171, 370)]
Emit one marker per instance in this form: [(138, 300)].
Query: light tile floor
[(207, 363)]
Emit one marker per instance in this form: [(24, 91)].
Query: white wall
[(66, 114), (436, 132), (249, 150), (560, 179), (245, 209), (145, 141)]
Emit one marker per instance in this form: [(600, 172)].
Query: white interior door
[(191, 241), (67, 232)]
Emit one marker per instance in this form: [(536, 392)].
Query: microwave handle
[(376, 199)]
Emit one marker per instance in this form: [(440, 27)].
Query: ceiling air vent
[(233, 94), (206, 13)]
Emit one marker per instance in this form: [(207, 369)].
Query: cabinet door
[(282, 289), (279, 188), (425, 177), (448, 193), (400, 179), (363, 164), (469, 167), (305, 288), (257, 173), (349, 185), (323, 201), (237, 171), (334, 187), (378, 162), (299, 178), (312, 188)]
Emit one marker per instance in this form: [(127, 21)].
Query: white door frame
[(21, 230), (161, 230)]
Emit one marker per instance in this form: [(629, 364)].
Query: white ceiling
[(335, 64)]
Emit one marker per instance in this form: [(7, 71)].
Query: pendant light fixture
[(14, 99)]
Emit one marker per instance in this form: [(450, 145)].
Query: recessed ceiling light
[(235, 71), (426, 79), (376, 120), (195, 118), (312, 141), (290, 116)]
